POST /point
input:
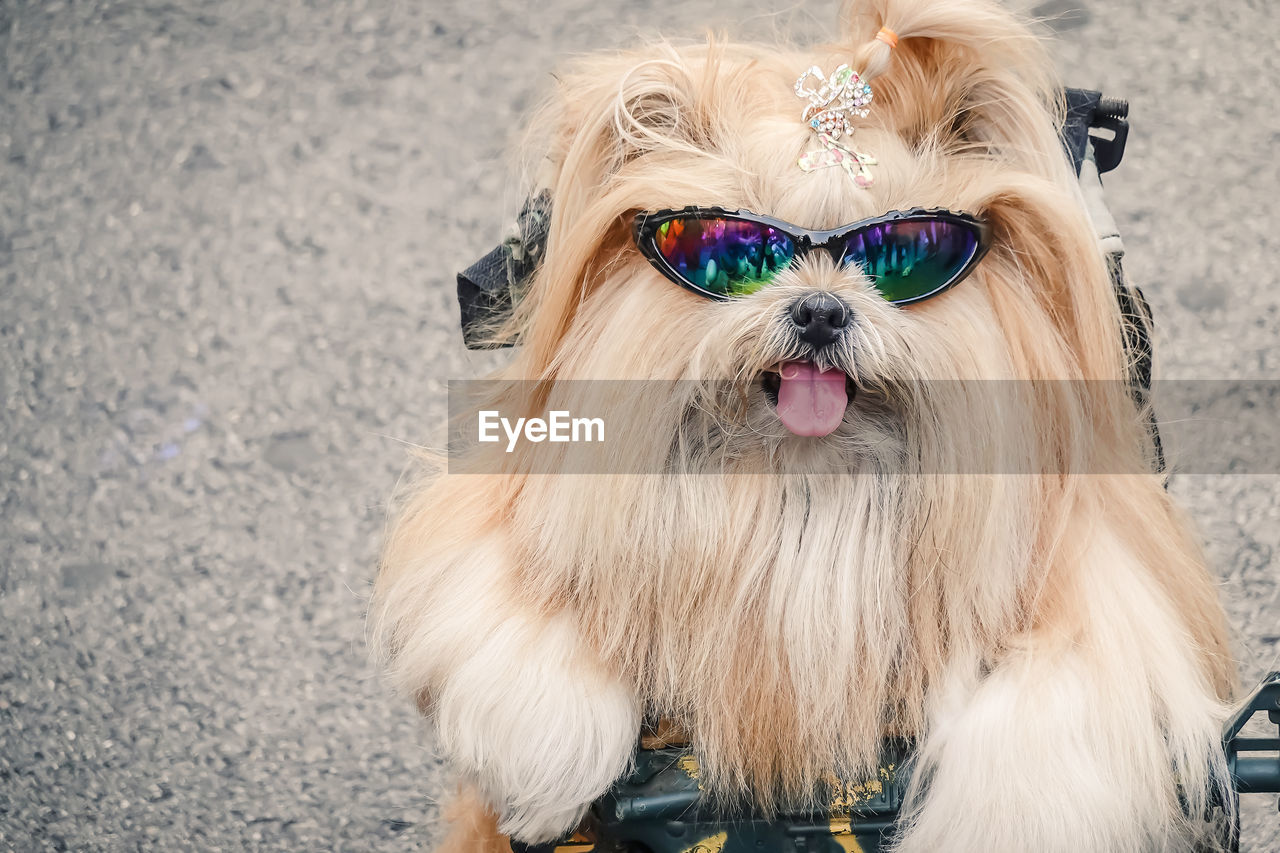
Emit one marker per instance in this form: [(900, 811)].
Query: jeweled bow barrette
[(833, 102)]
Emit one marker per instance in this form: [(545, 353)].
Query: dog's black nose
[(820, 316)]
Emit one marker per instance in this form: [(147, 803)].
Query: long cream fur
[(1052, 637)]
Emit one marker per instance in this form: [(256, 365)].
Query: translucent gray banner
[(925, 427)]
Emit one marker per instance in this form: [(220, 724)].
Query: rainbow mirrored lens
[(729, 257), (910, 259)]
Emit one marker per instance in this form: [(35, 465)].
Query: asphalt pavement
[(228, 234)]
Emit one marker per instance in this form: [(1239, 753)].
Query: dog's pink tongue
[(811, 402)]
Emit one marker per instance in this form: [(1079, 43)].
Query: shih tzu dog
[(844, 536)]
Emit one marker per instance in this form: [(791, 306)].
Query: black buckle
[(1111, 116), (1087, 112)]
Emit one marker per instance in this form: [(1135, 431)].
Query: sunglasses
[(908, 255)]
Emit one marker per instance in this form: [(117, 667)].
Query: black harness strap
[(1099, 126), (489, 288)]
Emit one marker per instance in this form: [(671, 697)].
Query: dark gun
[(658, 808)]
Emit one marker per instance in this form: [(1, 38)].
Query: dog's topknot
[(981, 25)]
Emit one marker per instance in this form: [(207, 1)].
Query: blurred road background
[(228, 234)]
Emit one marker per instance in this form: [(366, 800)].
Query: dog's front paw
[(538, 727)]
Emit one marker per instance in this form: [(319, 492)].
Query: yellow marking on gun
[(848, 795), (842, 834), (711, 844), (578, 843), (689, 764)]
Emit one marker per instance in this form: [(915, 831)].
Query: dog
[(846, 543)]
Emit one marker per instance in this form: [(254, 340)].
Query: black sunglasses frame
[(833, 241)]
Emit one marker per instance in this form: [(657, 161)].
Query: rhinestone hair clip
[(833, 103)]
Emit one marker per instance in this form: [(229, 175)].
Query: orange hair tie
[(887, 36)]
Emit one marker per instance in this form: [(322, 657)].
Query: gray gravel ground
[(227, 237)]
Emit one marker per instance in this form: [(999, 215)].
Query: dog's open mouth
[(809, 401)]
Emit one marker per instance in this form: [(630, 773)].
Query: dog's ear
[(960, 75), (608, 114)]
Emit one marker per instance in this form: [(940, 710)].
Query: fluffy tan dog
[(1050, 636)]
